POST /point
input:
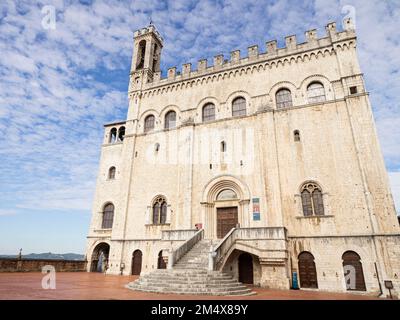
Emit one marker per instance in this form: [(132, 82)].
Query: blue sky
[(58, 87)]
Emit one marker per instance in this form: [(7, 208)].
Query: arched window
[(208, 112), (160, 211), (296, 134), (149, 123), (141, 54), (108, 216), (121, 134), (223, 146), (111, 173), (311, 198), (227, 194), (316, 92), (239, 107), (283, 98), (353, 271), (170, 120), (113, 135)]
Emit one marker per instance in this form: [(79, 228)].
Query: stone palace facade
[(273, 158)]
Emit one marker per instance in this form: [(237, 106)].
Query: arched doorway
[(225, 205), (161, 263), (307, 271), (353, 271), (99, 259), (246, 274), (137, 262)]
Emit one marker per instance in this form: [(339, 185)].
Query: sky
[(61, 79)]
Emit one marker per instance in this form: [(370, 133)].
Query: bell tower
[(146, 56)]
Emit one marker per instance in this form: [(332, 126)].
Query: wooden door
[(352, 259), (246, 268), (137, 262), (307, 271), (227, 218)]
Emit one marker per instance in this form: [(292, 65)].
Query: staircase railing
[(217, 253), (175, 255)]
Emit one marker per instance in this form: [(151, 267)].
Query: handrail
[(217, 253), (175, 255)]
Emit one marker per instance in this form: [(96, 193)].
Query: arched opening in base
[(245, 266), (99, 260), (137, 262)]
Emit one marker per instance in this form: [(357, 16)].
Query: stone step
[(189, 275), (193, 292), (216, 286)]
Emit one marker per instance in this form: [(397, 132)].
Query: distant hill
[(49, 255)]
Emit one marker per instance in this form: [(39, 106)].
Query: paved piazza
[(95, 286)]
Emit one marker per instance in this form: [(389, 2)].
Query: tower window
[(239, 107), (121, 134), (316, 92), (113, 135), (208, 112), (296, 135), (283, 98), (141, 54), (223, 146), (111, 173), (149, 123), (353, 90), (170, 120)]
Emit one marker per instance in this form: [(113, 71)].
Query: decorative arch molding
[(210, 204), (315, 181), (146, 113), (165, 110), (219, 183), (199, 108), (283, 85), (236, 94), (329, 92)]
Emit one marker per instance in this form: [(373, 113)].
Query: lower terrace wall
[(35, 265)]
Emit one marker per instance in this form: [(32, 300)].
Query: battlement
[(292, 47), (149, 29)]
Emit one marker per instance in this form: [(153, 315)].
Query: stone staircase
[(190, 276)]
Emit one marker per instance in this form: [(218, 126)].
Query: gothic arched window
[(208, 112), (239, 107), (149, 123), (111, 173), (108, 216), (311, 198), (170, 120), (283, 98), (160, 211), (316, 92)]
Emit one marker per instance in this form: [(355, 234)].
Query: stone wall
[(35, 265)]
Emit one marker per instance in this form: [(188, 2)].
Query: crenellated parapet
[(293, 51)]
